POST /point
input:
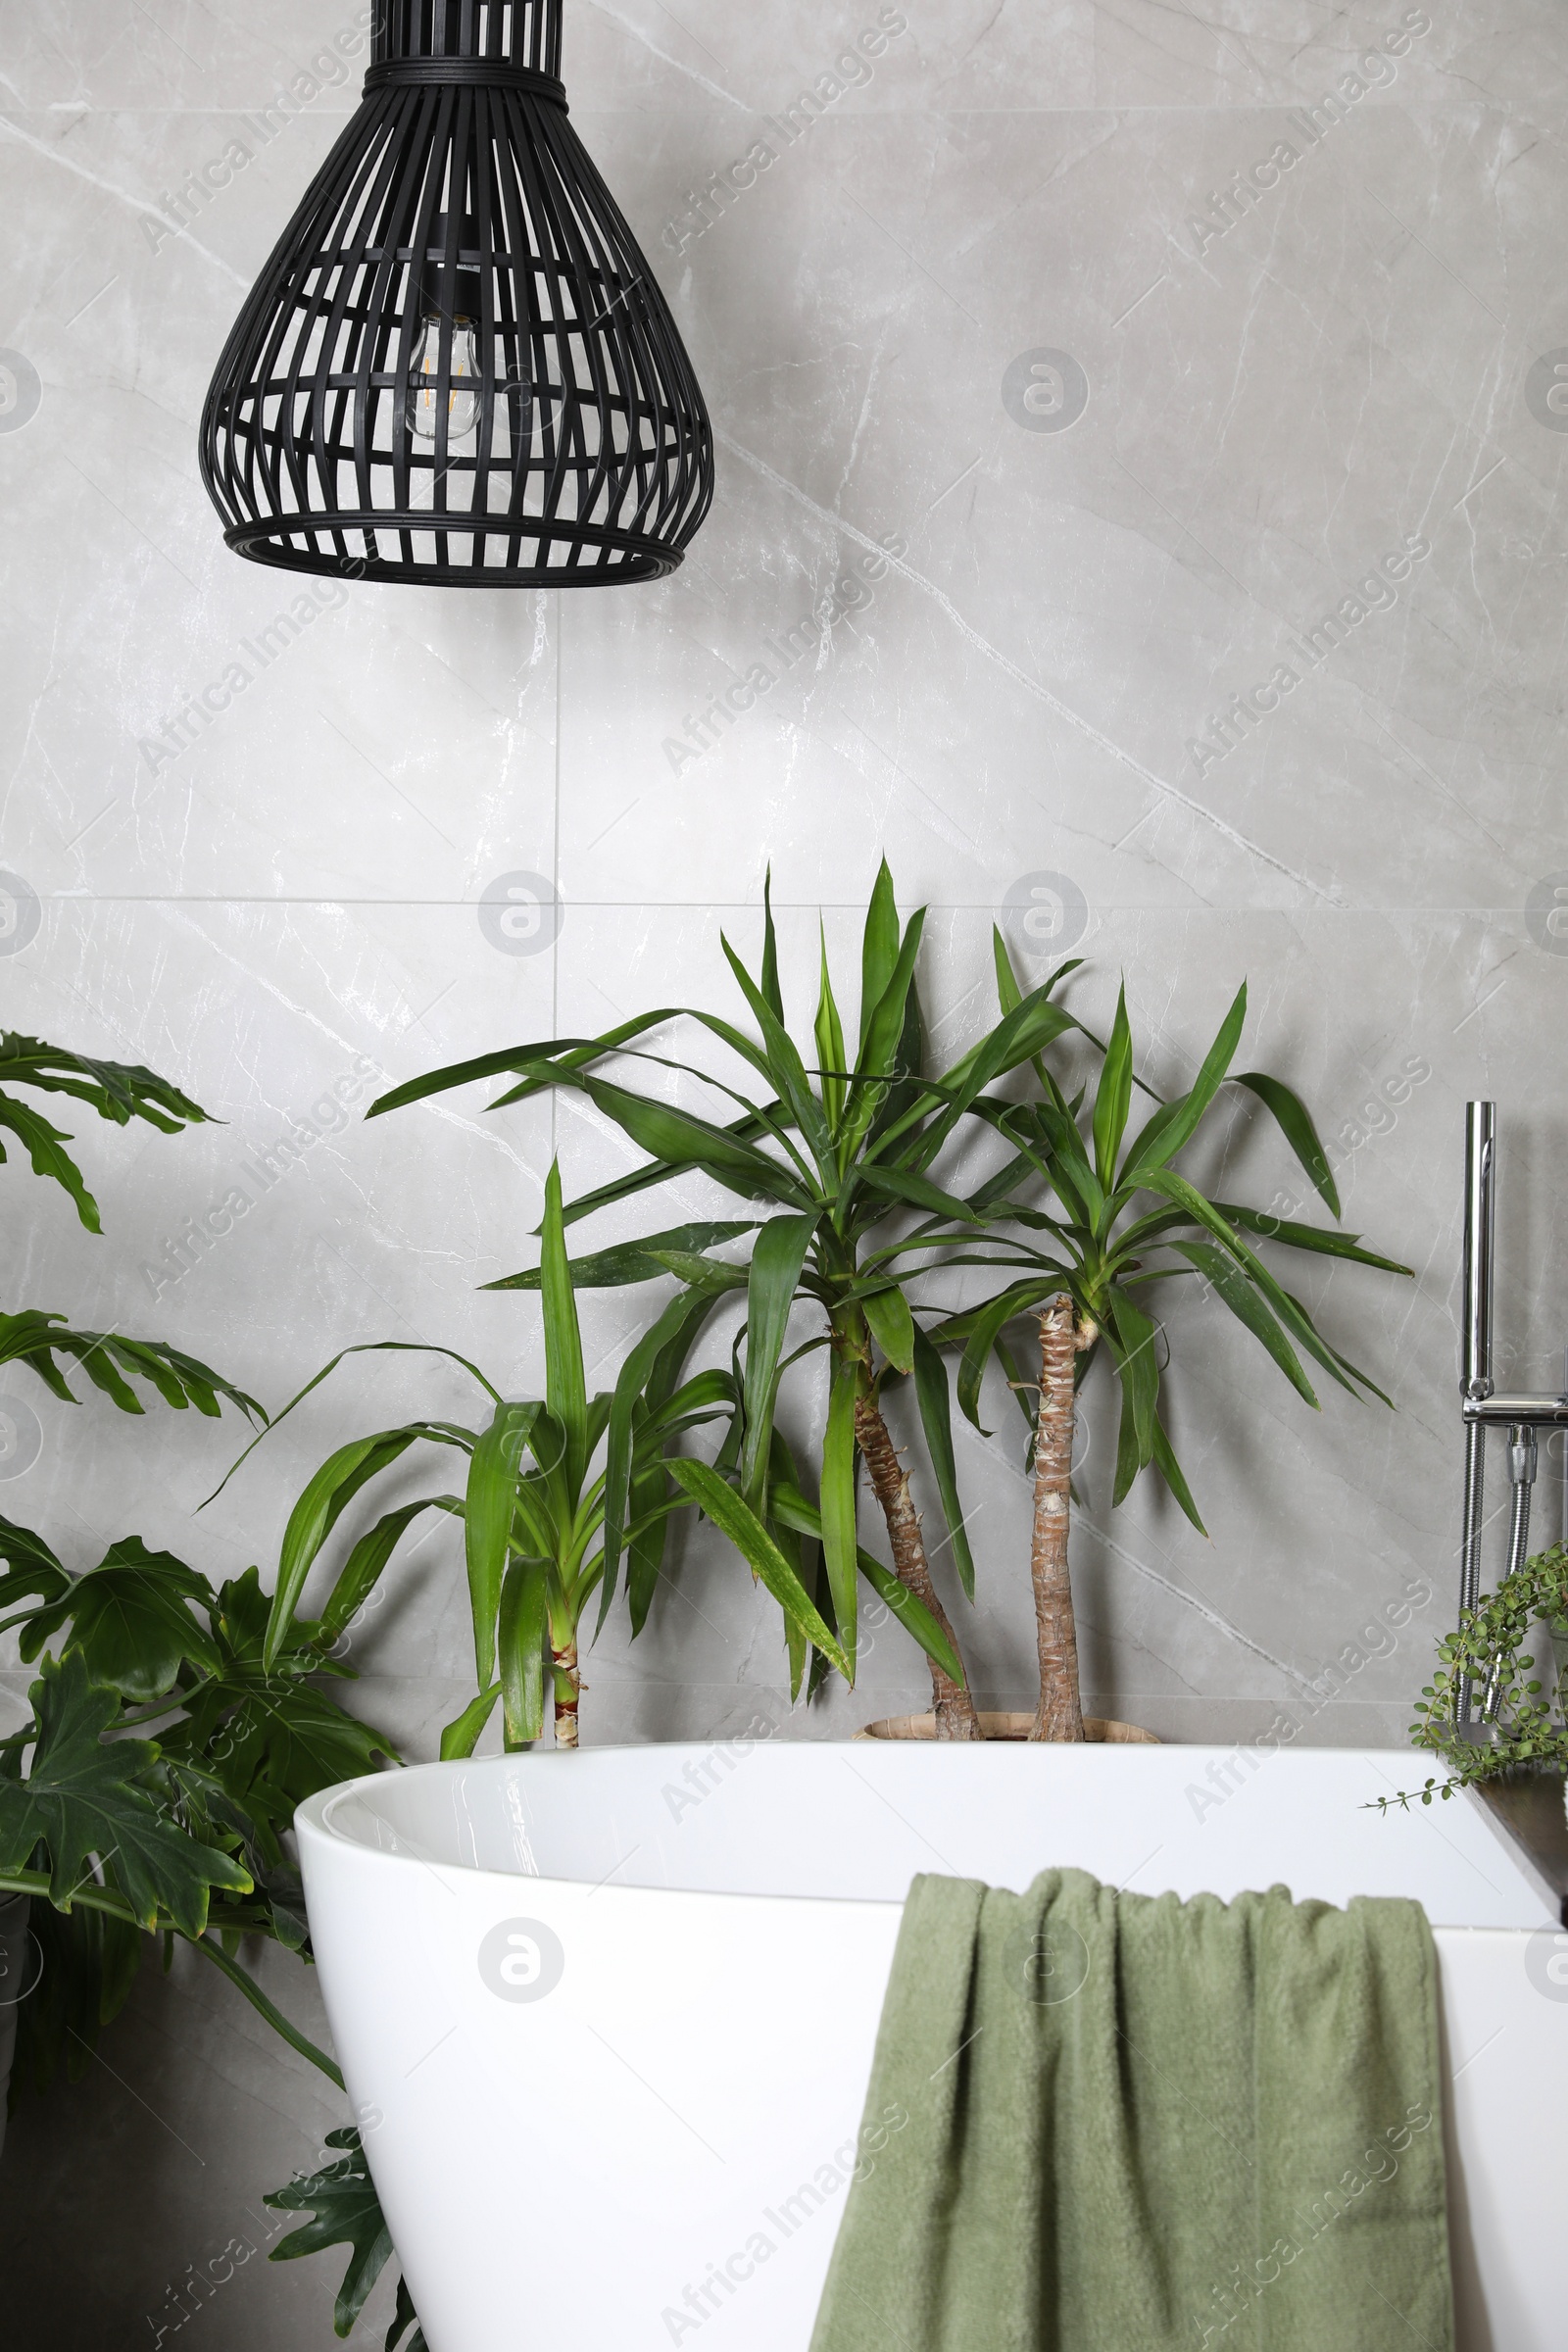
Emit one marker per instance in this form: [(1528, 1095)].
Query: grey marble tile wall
[(1139, 485)]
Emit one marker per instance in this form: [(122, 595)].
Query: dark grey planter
[(16, 1972)]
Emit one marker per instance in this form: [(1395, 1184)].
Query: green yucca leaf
[(829, 1044), (490, 1505), (322, 1505), (523, 1646), (771, 986), (365, 1563), (559, 1055), (775, 1273), (1295, 1123), (629, 1262), (462, 1735), (911, 1613), (733, 1516), (1131, 1336), (838, 1529), (1176, 1123), (680, 1140), (786, 1071), (1114, 1100), (1171, 1472), (1290, 1311), (1233, 1290), (642, 1387), (1292, 1236), (886, 1311), (884, 1032), (936, 1420), (565, 1387), (879, 951)]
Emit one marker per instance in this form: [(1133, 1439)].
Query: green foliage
[(842, 1155), (1520, 1725), (117, 1091), (36, 1338), (263, 1730), (793, 1511), (88, 1963), (731, 1514), (1077, 1184), (557, 1494), (88, 1800), (113, 1835), (861, 1196), (185, 1830), (404, 2318), (128, 1616), (346, 2212)]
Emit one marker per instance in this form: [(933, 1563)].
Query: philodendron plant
[(118, 1092), (176, 1834), (150, 1793), (130, 1607), (1106, 1217), (841, 1145)]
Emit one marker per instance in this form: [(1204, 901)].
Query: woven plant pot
[(1007, 1726)]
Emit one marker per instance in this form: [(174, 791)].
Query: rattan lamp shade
[(457, 368)]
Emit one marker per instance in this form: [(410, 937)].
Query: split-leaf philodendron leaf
[(86, 1801)]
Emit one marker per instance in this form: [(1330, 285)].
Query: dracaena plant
[(552, 1484), (844, 1147), (1118, 1220)]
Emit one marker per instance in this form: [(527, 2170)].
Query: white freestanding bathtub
[(606, 2019)]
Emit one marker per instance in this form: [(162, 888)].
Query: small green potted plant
[(1518, 1727)]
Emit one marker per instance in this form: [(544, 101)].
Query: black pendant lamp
[(457, 369)]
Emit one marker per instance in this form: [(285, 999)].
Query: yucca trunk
[(1060, 1714), (569, 1691), (956, 1716)]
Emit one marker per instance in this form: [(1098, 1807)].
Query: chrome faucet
[(1481, 1407)]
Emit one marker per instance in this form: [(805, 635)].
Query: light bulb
[(424, 389)]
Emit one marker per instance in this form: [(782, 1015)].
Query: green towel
[(1116, 2123)]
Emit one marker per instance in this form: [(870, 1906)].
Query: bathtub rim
[(313, 1819)]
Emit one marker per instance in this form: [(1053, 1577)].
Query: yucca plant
[(1120, 1218), (552, 1482), (841, 1148)]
